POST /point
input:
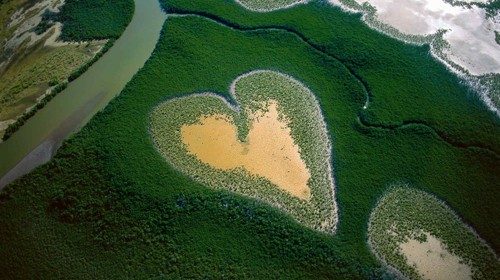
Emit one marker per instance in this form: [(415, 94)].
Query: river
[(39, 138)]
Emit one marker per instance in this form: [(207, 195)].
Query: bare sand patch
[(433, 261), (269, 151), (23, 23)]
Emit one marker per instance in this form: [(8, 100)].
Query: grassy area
[(263, 5), (295, 102), (405, 213), (35, 69), (29, 77), (115, 207)]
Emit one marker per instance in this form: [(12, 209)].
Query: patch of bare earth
[(433, 261), (269, 150)]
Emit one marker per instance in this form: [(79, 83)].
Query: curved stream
[(40, 137), (363, 83)]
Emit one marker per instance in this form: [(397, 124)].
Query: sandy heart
[(269, 150), (272, 146)]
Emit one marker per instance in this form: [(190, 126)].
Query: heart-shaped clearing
[(269, 151), (273, 146)]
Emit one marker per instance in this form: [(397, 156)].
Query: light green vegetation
[(32, 69), (267, 5), (29, 78), (252, 90), (405, 213)]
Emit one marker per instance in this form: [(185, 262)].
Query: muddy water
[(269, 151), (40, 137)]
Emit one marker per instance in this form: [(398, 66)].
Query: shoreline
[(73, 107), (437, 43), (49, 39), (44, 152)]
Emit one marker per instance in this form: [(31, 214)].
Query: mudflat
[(269, 150)]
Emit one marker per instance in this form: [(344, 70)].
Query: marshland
[(126, 196)]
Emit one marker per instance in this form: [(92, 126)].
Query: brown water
[(269, 151), (40, 137)]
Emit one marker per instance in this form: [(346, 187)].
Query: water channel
[(40, 137)]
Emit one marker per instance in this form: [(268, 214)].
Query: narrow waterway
[(37, 141)]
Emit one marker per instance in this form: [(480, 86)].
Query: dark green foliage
[(492, 7), (47, 21), (85, 20), (408, 90), (388, 68), (42, 27), (110, 204), (53, 82)]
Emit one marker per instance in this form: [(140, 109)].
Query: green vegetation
[(389, 72), (85, 20), (47, 21), (31, 112), (387, 68), (27, 85), (497, 37), (52, 69), (492, 7), (29, 78), (78, 72), (109, 203), (251, 91), (405, 213), (24, 81), (267, 5)]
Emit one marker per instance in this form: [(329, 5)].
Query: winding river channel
[(38, 140)]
